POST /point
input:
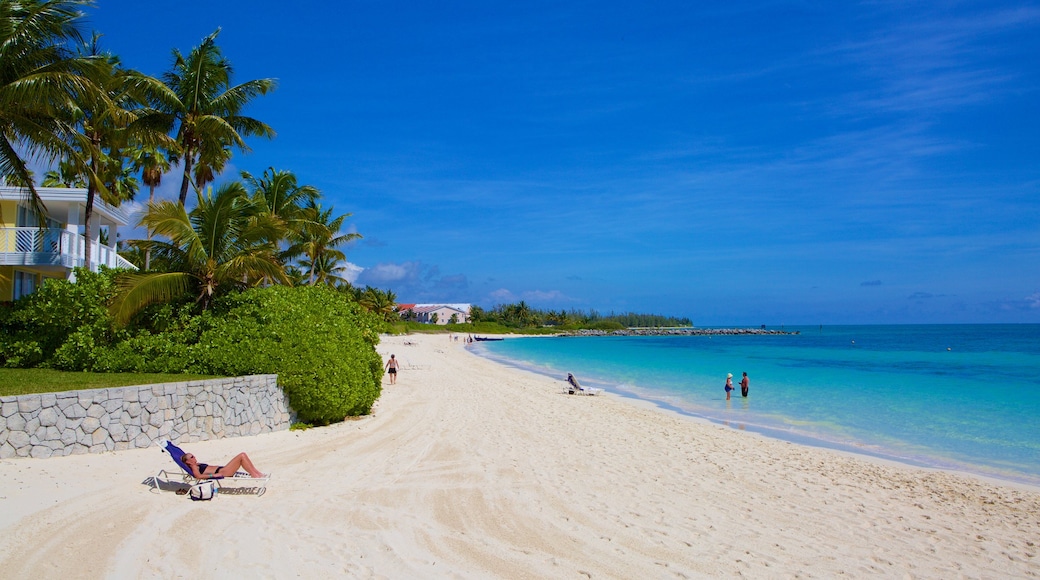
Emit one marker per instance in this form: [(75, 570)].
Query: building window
[(36, 241), (25, 283)]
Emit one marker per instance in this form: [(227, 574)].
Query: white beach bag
[(203, 491)]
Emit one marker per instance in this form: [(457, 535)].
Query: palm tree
[(152, 163), (207, 108), (382, 303), (319, 238), (286, 202), (521, 312), (40, 77), (65, 176), (106, 120), (218, 245), (325, 269)]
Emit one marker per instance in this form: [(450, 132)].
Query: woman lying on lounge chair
[(204, 471)]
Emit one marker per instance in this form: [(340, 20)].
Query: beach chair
[(242, 481), (575, 388)]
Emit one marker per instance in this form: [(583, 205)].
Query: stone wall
[(99, 420)]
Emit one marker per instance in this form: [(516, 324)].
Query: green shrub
[(606, 325), (39, 324), (321, 345)]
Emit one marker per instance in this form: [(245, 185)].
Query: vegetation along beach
[(557, 291)]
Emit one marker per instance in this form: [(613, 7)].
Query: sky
[(739, 164)]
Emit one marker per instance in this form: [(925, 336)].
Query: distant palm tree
[(152, 163), (382, 303), (218, 245), (209, 166), (319, 238), (326, 269), (207, 109), (65, 176), (40, 77), (285, 201)]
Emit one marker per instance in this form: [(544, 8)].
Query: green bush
[(606, 325), (321, 345), (38, 325)]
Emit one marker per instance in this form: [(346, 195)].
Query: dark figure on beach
[(744, 386), (204, 471), (729, 384), (391, 369)]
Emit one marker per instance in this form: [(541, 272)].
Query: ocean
[(958, 397)]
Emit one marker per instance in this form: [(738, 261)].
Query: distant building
[(428, 313), (30, 254)]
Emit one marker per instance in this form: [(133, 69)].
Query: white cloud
[(389, 273), (1033, 300), (350, 272), (543, 296), (502, 296)]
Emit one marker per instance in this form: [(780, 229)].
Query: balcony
[(54, 247)]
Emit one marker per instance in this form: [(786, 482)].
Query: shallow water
[(963, 397)]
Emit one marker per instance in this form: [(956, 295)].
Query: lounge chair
[(575, 388), (242, 480)]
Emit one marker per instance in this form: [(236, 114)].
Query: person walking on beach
[(391, 368), (744, 386), (729, 384)]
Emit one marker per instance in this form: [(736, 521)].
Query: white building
[(29, 253)]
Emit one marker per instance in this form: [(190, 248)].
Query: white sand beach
[(470, 469)]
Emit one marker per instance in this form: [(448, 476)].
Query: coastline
[(472, 469), (789, 427)]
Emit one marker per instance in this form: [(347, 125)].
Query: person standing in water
[(391, 369), (744, 386), (729, 384)]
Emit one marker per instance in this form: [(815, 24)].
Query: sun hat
[(729, 375)]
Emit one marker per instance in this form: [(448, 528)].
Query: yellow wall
[(6, 282), (8, 213)]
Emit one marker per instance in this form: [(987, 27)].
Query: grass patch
[(31, 381)]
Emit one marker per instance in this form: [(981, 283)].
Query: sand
[(470, 469)]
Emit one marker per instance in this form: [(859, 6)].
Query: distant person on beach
[(391, 368), (744, 386), (729, 384)]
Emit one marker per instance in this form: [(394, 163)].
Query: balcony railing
[(54, 247)]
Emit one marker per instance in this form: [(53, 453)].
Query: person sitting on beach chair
[(573, 386), (204, 471)]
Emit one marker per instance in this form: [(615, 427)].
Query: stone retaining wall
[(99, 420)]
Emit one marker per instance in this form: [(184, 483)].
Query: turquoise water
[(964, 397)]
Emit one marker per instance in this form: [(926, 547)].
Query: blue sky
[(753, 163)]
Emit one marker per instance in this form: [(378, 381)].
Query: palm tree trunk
[(88, 213), (186, 180), (148, 232)]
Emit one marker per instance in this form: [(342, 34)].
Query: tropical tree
[(65, 176), (286, 202), (218, 246), (40, 77), (326, 269), (207, 110), (382, 303), (106, 118), (152, 163), (319, 239)]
